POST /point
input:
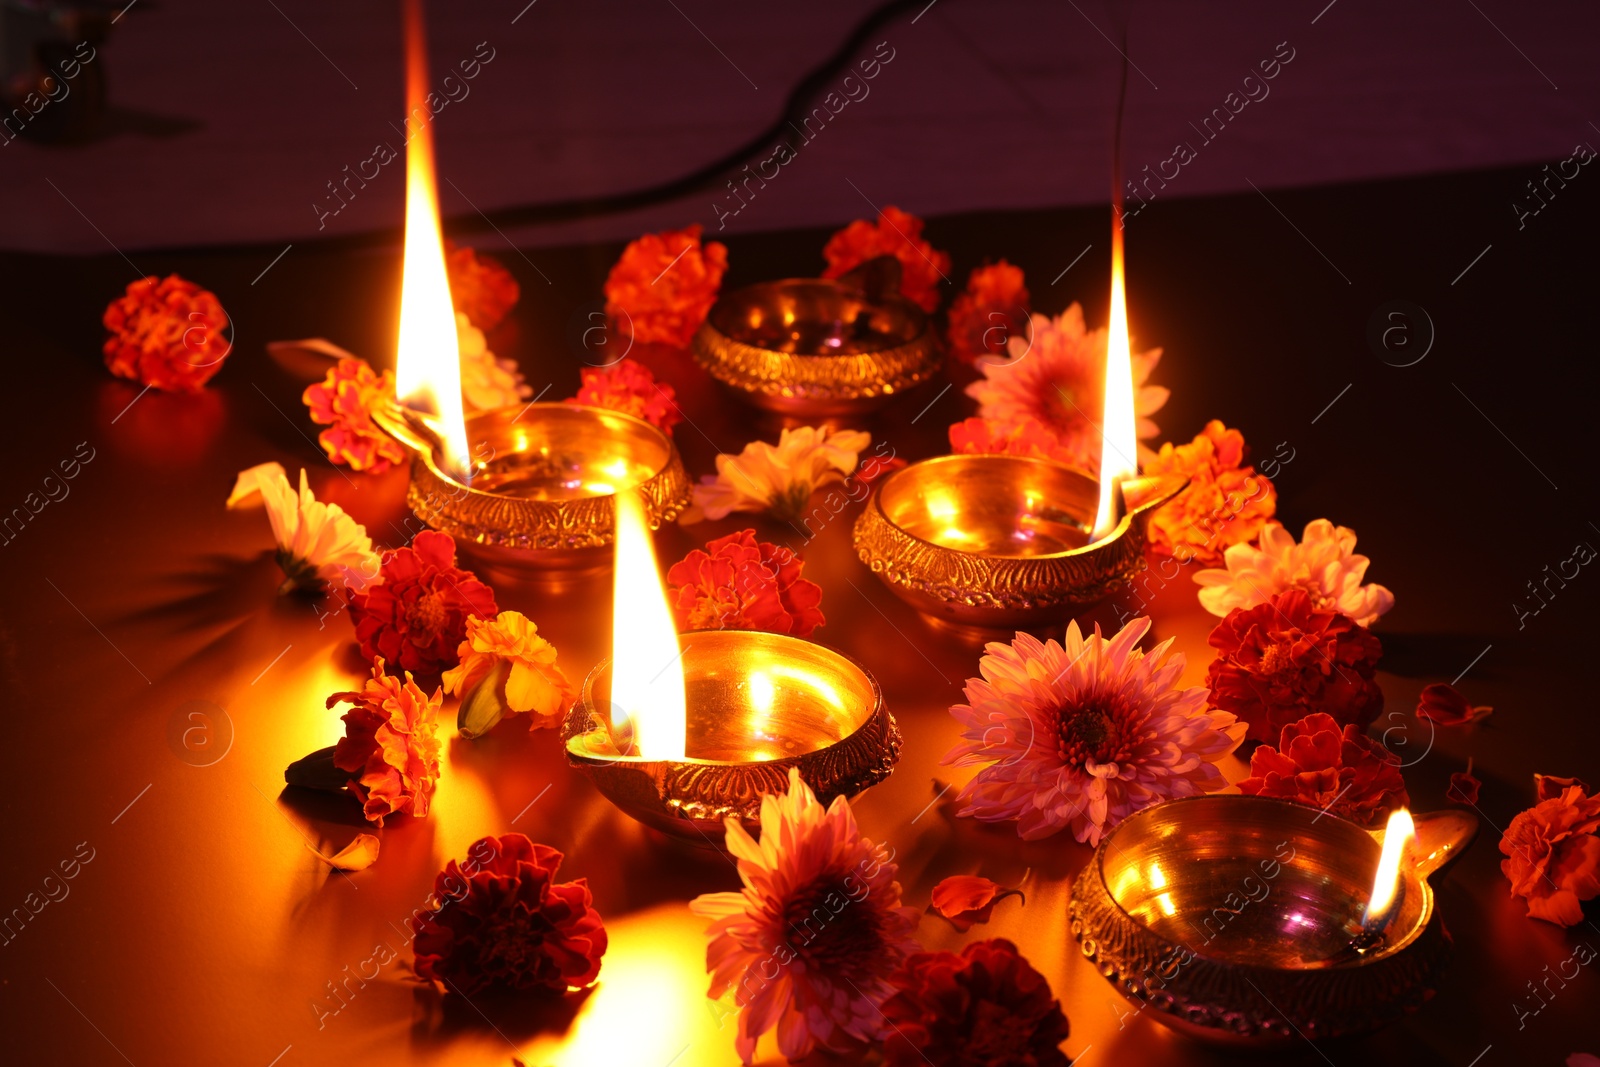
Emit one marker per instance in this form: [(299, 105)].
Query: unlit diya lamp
[(1256, 920), (682, 731), (1004, 541), (819, 346), (523, 487)]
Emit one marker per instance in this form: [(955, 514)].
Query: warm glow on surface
[(1119, 447), (646, 663), (428, 365), (1387, 881)]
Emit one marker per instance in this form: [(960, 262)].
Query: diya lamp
[(524, 487), (820, 346), (1260, 921), (681, 731), (1007, 541)]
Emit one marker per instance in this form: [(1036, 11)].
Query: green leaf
[(485, 703)]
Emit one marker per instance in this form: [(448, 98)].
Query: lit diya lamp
[(682, 731), (524, 486), (820, 346), (1007, 541), (1259, 920)]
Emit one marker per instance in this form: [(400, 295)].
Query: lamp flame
[(646, 661), (1386, 883), (1119, 435), (428, 363)]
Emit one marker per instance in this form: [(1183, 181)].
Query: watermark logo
[(1400, 333), (200, 733), (597, 339)]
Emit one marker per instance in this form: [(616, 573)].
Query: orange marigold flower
[(480, 286), (389, 745), (344, 402), (898, 234), (992, 310), (739, 583), (533, 681), (1552, 856), (628, 386), (1227, 502), (664, 284), (167, 333)]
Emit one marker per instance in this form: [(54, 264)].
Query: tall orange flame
[(1386, 882), (646, 663), (1119, 443), (428, 365)]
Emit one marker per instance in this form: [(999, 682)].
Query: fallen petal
[(1463, 789), (1444, 704), (1549, 786), (968, 899), (358, 855)]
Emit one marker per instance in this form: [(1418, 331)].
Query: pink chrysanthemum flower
[(1056, 376), (1084, 735), (809, 945)]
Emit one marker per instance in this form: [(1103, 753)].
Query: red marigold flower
[(993, 309), (416, 616), (1346, 773), (986, 1006), (739, 583), (389, 744), (1278, 662), (1444, 704), (1029, 437), (968, 899), (897, 234), (1463, 788), (1552, 856), (480, 286), (344, 402), (664, 284), (167, 333), (502, 920), (628, 386), (1227, 502)]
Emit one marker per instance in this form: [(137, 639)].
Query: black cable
[(703, 177)]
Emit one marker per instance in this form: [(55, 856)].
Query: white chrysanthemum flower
[(1324, 564), (808, 946), (318, 544), (1083, 735), (486, 382), (781, 477)]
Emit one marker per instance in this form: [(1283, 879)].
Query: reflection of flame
[(1158, 879), (428, 366), (647, 668), (1386, 883), (1119, 444)]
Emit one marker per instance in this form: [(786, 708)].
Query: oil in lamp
[(681, 731)]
